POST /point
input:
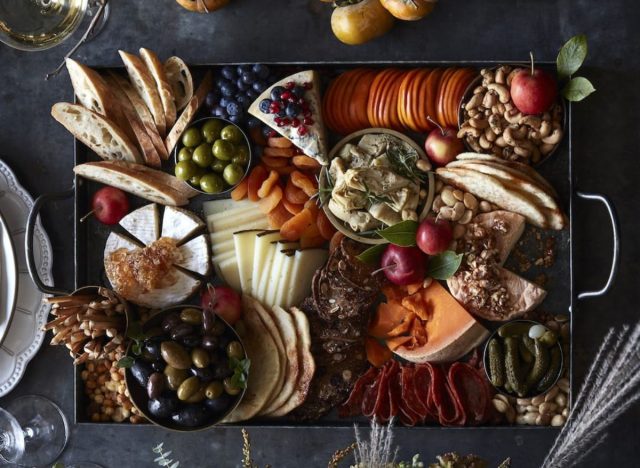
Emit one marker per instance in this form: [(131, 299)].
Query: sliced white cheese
[(183, 286), (223, 247), (216, 259), (269, 274), (143, 223), (216, 207), (226, 234), (260, 251), (244, 243), (195, 255), (285, 278), (228, 270), (117, 241), (305, 264), (180, 224), (234, 218), (276, 271)]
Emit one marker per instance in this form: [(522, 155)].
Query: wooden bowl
[(343, 227)]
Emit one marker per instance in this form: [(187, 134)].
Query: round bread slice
[(180, 80), (264, 370)]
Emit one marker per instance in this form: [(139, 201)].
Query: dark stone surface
[(605, 148)]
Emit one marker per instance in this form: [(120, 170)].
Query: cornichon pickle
[(512, 366), (552, 371), (549, 338), (525, 354), (541, 364), (528, 343), (496, 363), (514, 329)]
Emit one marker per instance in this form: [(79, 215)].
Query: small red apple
[(110, 205), (534, 90), (403, 265), (434, 236), (443, 145), (226, 303)]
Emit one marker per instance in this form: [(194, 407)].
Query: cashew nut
[(546, 148), (533, 134), (488, 76), (531, 121), (511, 117), (490, 135), (479, 123), (554, 138), (495, 124), (511, 75), (484, 143), (509, 106), (511, 134), (521, 151), (500, 141), (475, 112), (545, 129), (479, 89), (501, 90), (473, 142), (500, 76), (474, 102), (489, 100), (468, 131)]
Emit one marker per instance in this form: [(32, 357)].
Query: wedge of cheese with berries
[(292, 107)]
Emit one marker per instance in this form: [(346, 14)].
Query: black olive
[(208, 319), (223, 341), (191, 416), (152, 348), (181, 330), (141, 372), (209, 342), (191, 341), (170, 321), (222, 371), (159, 365), (204, 374), (162, 407), (219, 405)]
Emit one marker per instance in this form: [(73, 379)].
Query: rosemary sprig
[(404, 162)]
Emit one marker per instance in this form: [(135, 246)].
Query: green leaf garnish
[(571, 56), (372, 254), (444, 265), (577, 89), (402, 234), (125, 362), (240, 372)]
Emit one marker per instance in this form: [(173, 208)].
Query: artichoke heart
[(382, 212), (362, 221)]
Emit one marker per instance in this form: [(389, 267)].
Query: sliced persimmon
[(258, 175), (241, 190), (292, 230), (377, 354), (359, 99), (268, 184), (271, 201)]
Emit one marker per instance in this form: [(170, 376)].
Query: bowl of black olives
[(213, 156), (187, 369)]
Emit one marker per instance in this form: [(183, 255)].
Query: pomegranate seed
[(305, 106), (286, 95), (301, 101), (302, 130), (306, 113), (277, 120), (286, 121), (308, 121), (295, 123), (292, 99), (290, 85), (273, 134), (308, 85)]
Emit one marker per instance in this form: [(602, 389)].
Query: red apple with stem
[(534, 90), (109, 205), (224, 302), (434, 236), (442, 144), (403, 265)]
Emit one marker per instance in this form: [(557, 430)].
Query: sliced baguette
[(130, 180), (180, 80), (149, 152), (96, 131), (187, 114), (146, 88), (156, 69), (141, 109), (94, 94)]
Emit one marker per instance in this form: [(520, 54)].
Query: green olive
[(233, 174), (191, 138), (200, 358), (202, 155), (191, 316), (223, 150), (231, 133), (175, 355), (242, 155), (198, 396), (211, 130), (185, 154), (214, 390), (211, 183), (218, 165), (234, 350), (195, 181), (175, 377), (229, 387), (185, 170), (188, 388)]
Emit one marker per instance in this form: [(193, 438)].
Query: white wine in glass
[(41, 24)]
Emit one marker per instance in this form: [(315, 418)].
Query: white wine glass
[(33, 431)]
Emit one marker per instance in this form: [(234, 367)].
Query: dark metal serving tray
[(90, 237)]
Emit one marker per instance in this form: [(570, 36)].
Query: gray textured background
[(605, 148)]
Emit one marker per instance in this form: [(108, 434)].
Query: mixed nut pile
[(492, 123)]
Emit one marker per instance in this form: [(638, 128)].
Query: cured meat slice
[(409, 395), (408, 415), (353, 405), (370, 396), (442, 399), (422, 386), (395, 395), (469, 389), (382, 409)]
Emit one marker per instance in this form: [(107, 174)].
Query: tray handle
[(616, 243), (29, 253)]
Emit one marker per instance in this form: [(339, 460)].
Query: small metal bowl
[(139, 396), (224, 193), (501, 390), (343, 227), (468, 93)]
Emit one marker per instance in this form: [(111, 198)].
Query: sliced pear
[(195, 255), (180, 224), (304, 267), (143, 223)]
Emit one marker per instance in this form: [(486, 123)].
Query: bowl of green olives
[(213, 156), (523, 358), (188, 369)]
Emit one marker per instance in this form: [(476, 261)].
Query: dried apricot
[(305, 183), (335, 241), (294, 194), (325, 227), (241, 190), (278, 216), (284, 171), (268, 184), (280, 152), (279, 142), (293, 208), (305, 163), (257, 176), (292, 230), (268, 203), (272, 162), (312, 206)]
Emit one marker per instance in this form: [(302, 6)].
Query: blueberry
[(259, 86), (236, 119), (282, 113), (292, 110), (223, 114), (228, 90), (243, 69), (298, 91), (264, 105), (244, 101), (261, 70), (276, 92), (211, 99), (266, 131), (241, 85), (233, 108), (224, 101), (229, 72), (253, 122), (251, 94), (221, 81), (249, 77), (219, 110)]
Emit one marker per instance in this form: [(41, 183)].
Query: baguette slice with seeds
[(135, 182), (146, 88), (96, 131), (180, 80), (156, 68)]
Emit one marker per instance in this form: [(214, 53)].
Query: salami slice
[(409, 395), (353, 405), (469, 389), (370, 395), (382, 410), (408, 416), (442, 398), (395, 395), (422, 390)]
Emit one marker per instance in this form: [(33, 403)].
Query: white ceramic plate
[(8, 277), (25, 335)]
